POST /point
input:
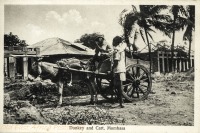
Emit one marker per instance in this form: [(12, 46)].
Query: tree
[(13, 40), (190, 23), (89, 39), (23, 43), (177, 24), (145, 19)]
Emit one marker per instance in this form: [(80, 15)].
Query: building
[(54, 49), (18, 60), (161, 61)]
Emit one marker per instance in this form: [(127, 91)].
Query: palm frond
[(158, 8), (180, 23), (166, 28), (187, 33), (149, 29), (176, 9), (150, 36), (134, 8), (191, 12), (142, 34), (121, 16), (163, 18), (129, 21)]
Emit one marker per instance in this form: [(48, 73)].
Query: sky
[(35, 23)]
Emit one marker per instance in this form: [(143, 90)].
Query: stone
[(38, 79), (157, 74), (30, 77), (173, 93), (6, 99)]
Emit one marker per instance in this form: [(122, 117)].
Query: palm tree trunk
[(149, 46), (172, 47), (190, 42)]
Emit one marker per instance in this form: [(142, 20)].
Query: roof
[(56, 46)]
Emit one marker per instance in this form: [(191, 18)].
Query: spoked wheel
[(106, 89), (138, 83)]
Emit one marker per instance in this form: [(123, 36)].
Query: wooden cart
[(136, 87)]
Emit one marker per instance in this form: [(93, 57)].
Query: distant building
[(54, 49), (18, 60), (161, 61)]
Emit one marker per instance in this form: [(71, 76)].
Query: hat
[(99, 36)]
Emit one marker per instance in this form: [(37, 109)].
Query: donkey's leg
[(93, 90), (91, 94), (60, 87), (70, 83)]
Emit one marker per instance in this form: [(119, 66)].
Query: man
[(102, 52), (119, 65), (102, 46)]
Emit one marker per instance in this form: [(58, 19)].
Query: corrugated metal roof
[(55, 46)]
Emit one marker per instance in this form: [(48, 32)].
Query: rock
[(153, 81), (152, 92), (12, 95), (6, 99), (134, 118), (167, 89), (48, 81), (28, 114), (173, 93), (168, 76), (120, 119), (23, 104), (19, 94), (30, 77), (38, 79), (157, 74)]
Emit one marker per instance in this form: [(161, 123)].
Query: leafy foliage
[(13, 40), (181, 51), (147, 17), (178, 11), (190, 23), (89, 39)]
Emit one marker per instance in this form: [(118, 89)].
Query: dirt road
[(172, 104)]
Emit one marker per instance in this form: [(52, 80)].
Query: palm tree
[(177, 24), (148, 16), (190, 27)]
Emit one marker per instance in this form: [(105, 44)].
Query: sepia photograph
[(99, 67)]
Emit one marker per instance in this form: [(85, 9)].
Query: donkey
[(46, 70), (49, 70)]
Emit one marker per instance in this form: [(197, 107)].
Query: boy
[(119, 66)]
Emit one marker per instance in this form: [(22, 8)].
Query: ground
[(172, 104)]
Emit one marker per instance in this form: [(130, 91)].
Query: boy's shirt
[(120, 56), (105, 47)]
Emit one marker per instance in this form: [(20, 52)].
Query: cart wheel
[(138, 83), (106, 89)]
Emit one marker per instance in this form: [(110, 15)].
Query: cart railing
[(81, 71)]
